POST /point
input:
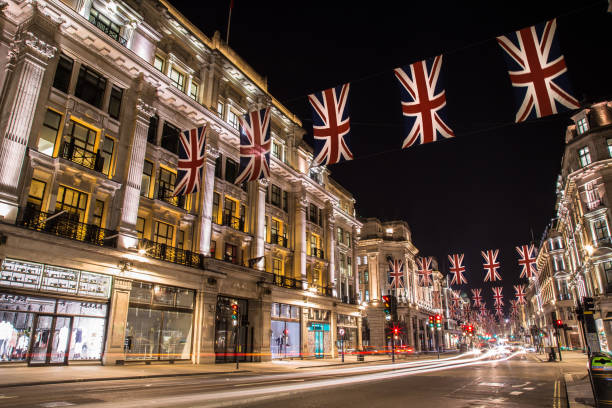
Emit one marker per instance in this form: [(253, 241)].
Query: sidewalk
[(24, 376), (574, 370)]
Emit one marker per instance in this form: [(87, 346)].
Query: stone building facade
[(99, 261), (380, 243)]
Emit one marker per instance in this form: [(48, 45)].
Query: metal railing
[(278, 240), (165, 194), (79, 155), (317, 253), (233, 222), (66, 225), (287, 282), (172, 254), (107, 30)]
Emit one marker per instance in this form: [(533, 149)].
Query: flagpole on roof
[(229, 20)]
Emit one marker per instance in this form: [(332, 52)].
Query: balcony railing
[(107, 30), (65, 225), (349, 300), (172, 254), (230, 258), (317, 253), (79, 155), (233, 222), (165, 194), (286, 282), (278, 240)]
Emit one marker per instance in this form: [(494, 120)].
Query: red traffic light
[(395, 330), (559, 323)]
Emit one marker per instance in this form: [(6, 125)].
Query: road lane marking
[(516, 392), (56, 404), (268, 382), (492, 384), (2, 396), (521, 385), (529, 388)]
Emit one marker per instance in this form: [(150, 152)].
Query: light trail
[(250, 395)]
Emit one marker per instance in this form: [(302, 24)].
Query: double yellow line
[(557, 395)]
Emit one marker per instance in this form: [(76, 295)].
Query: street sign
[(341, 332)]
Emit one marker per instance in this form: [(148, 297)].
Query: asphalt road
[(518, 382)]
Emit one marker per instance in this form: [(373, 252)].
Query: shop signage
[(318, 326), (48, 278)]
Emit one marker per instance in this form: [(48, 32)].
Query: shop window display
[(285, 340)]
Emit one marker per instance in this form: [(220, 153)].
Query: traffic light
[(395, 331), (387, 307), (470, 330), (438, 322), (234, 314), (431, 322), (559, 324)]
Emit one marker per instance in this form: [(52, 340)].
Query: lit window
[(37, 193), (276, 150), (583, 126), (140, 227), (147, 177), (609, 147), (159, 63), (232, 119), (114, 104), (220, 109), (108, 146), (48, 133), (194, 91), (584, 157), (164, 233), (178, 79)]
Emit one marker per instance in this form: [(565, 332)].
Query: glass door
[(50, 343), (319, 347)]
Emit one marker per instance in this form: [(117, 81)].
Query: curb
[(131, 377), (573, 394)]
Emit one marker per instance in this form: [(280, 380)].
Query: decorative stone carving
[(28, 42), (145, 109), (263, 183), (212, 152)]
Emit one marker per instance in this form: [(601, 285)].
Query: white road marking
[(521, 385), (529, 388), (516, 392), (2, 396), (268, 382), (498, 400), (57, 404), (492, 384)]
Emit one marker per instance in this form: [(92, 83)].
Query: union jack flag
[(499, 311), (520, 294), (425, 271), (456, 298), (483, 310), (331, 125), (491, 265), (497, 296), (396, 273), (527, 260), (457, 269), (423, 101), (191, 161), (477, 297), (537, 71), (255, 143), (514, 306)]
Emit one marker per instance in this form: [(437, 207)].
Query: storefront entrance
[(50, 340), (319, 343)]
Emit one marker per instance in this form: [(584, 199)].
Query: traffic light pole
[(558, 343), (236, 347), (392, 347)]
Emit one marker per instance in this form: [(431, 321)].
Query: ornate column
[(206, 199), (374, 281), (331, 248), (117, 321), (355, 271), (131, 195), (301, 206), (28, 59), (260, 222)]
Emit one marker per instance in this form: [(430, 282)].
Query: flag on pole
[(255, 143), (537, 71), (331, 125), (190, 161), (423, 102)]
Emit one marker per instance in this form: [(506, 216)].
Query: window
[(609, 142), (163, 233), (365, 259), (213, 248), (342, 264), (583, 126), (147, 178), (231, 170), (339, 235), (49, 132), (73, 202), (140, 227), (180, 239), (285, 201), (231, 253), (600, 228), (98, 212), (275, 195), (592, 196), (219, 166), (114, 104), (215, 208), (79, 144), (158, 63), (347, 238), (106, 25), (152, 132), (178, 79), (165, 183), (232, 119), (320, 217), (349, 265), (63, 72), (194, 91), (108, 147), (607, 267), (316, 176), (220, 109), (277, 150), (36, 195), (275, 230), (277, 266), (90, 87), (312, 213), (170, 137), (584, 157), (314, 244)]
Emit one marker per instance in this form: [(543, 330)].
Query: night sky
[(493, 185)]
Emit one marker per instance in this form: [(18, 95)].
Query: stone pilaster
[(300, 238), (117, 321), (131, 197), (206, 343), (28, 60), (206, 197), (260, 222), (331, 249)]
